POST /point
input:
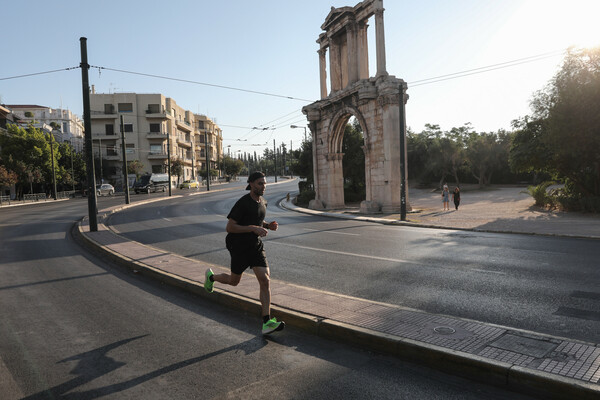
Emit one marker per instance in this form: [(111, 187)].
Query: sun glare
[(538, 26), (564, 23)]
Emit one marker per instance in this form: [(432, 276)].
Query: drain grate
[(537, 348)]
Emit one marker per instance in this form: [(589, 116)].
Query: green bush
[(565, 198), (304, 197), (304, 186), (540, 194)]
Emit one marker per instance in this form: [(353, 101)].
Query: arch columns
[(378, 104)]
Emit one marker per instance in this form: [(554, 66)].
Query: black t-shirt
[(246, 212)]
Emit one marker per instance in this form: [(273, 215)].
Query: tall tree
[(232, 167), (485, 153), (23, 150), (571, 130), (135, 167), (177, 168)]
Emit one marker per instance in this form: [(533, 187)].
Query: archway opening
[(353, 163)]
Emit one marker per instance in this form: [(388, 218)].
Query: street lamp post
[(207, 161), (303, 127), (72, 170), (53, 170)]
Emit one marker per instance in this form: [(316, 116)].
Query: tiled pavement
[(522, 361)]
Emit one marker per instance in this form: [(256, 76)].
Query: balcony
[(156, 114), (104, 136), (156, 135), (184, 125), (103, 114), (157, 156), (183, 142)]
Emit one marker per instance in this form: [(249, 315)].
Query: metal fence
[(33, 197)]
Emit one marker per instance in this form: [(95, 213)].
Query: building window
[(129, 148), (125, 107), (109, 109), (156, 149), (153, 109), (110, 129), (155, 128), (157, 169), (111, 151), (65, 127), (200, 124), (128, 127)]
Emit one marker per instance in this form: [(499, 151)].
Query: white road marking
[(167, 219), (337, 233), (488, 271), (342, 252)]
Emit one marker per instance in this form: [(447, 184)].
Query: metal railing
[(34, 197)]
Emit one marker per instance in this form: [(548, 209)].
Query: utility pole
[(100, 155), (169, 159), (53, 170), (274, 162), (207, 161), (72, 171), (402, 118), (87, 123), (125, 177)]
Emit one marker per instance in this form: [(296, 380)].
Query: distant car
[(151, 183), (188, 185), (105, 189)]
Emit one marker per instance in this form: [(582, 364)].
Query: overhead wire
[(262, 127), (200, 83), (487, 68), (38, 73)]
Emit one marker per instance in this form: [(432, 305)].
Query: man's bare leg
[(264, 281)]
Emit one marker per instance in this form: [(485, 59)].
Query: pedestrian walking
[(456, 197), (446, 197), (245, 227)]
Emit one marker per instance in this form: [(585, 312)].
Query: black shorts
[(244, 257)]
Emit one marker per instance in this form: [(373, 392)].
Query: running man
[(245, 227)]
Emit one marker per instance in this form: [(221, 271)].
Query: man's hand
[(259, 231), (273, 226)]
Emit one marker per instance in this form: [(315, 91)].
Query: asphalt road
[(543, 284), (76, 327)]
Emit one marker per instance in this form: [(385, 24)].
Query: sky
[(508, 50)]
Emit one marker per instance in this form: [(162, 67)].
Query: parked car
[(152, 183), (188, 185), (105, 189)]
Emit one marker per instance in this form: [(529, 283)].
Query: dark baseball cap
[(254, 176)]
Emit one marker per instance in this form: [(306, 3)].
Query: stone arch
[(378, 104), (336, 139)]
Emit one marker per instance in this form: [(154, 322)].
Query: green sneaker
[(272, 325), (208, 284)]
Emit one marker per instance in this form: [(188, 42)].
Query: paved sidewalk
[(522, 361), (501, 209)]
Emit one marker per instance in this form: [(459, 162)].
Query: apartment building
[(154, 127), (64, 125)]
